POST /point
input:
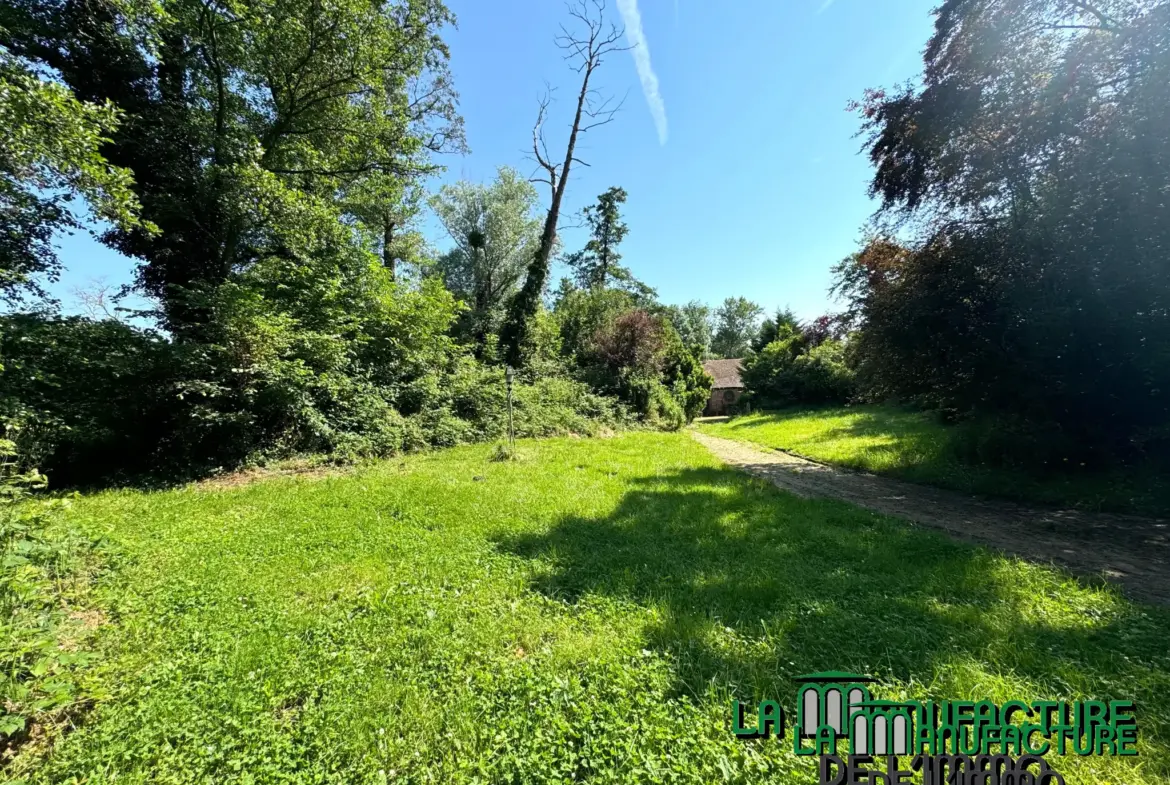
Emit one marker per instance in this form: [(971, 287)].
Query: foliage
[(634, 341), (692, 321), (641, 359), (581, 313), (1034, 294), (43, 577), (387, 209), (446, 618), (735, 327), (50, 153), (784, 322), (90, 397), (231, 108), (104, 401), (683, 374), (495, 234), (790, 370), (598, 264), (626, 358)]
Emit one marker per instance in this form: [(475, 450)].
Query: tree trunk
[(388, 260), (524, 304)]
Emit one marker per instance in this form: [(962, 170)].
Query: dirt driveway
[(1125, 549)]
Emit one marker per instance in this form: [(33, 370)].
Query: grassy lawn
[(915, 446), (586, 613)]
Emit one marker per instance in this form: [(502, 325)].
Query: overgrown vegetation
[(299, 309), (591, 620), (45, 621), (1014, 276), (1017, 273), (794, 365)]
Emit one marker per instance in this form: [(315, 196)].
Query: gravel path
[(1125, 549)]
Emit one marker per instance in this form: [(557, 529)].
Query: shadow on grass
[(754, 586), (916, 447)]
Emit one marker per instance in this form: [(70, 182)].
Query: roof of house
[(726, 373)]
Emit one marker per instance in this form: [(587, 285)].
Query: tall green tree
[(51, 154), (495, 230), (1028, 168), (387, 208), (736, 324), (598, 264), (782, 325), (693, 323), (235, 109)]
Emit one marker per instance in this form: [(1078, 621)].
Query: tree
[(495, 234), (588, 49), (598, 263), (1027, 169), (693, 323), (783, 324), (581, 313), (736, 326), (387, 208), (634, 342), (239, 112), (789, 371), (50, 153)]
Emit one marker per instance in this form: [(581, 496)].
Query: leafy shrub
[(1003, 324), (684, 376), (106, 402), (648, 396), (86, 391), (40, 578), (789, 371), (633, 342), (641, 359)]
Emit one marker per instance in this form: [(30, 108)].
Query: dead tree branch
[(587, 45)]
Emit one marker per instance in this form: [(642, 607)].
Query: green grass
[(585, 612), (916, 446)]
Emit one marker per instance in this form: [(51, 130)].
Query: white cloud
[(825, 6), (641, 51)]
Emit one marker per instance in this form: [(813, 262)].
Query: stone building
[(727, 389)]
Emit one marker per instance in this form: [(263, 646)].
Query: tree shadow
[(755, 586)]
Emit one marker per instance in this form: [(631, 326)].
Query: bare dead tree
[(97, 300), (586, 48)]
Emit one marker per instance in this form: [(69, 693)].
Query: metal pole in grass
[(508, 375)]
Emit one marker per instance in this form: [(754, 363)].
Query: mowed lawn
[(584, 614), (916, 446)]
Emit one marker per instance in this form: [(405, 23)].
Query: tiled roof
[(726, 373)]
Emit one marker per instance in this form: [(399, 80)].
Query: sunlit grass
[(916, 446), (586, 613)]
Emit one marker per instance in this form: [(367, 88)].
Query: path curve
[(1125, 549)]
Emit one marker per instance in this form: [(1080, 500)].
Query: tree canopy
[(736, 325), (495, 230)]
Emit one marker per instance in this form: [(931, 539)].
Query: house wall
[(718, 404)]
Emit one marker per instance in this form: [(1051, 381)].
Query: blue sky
[(750, 183)]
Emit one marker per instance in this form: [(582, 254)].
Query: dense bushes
[(324, 352), (43, 576), (102, 401), (640, 358), (797, 367), (1064, 359), (1024, 178)]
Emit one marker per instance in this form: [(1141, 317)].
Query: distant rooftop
[(726, 373)]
